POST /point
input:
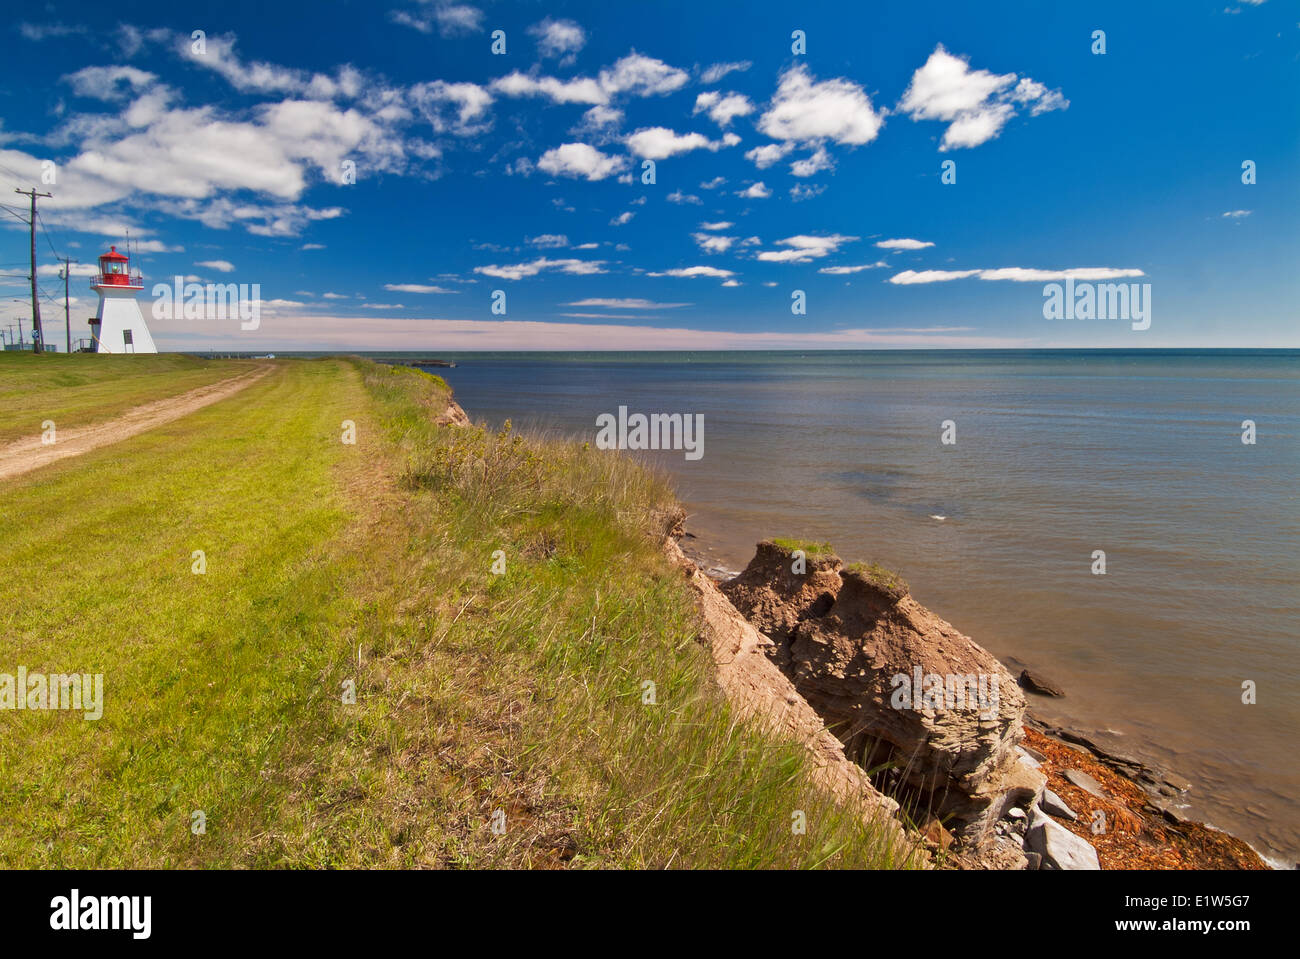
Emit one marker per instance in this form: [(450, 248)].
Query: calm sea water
[(1058, 454)]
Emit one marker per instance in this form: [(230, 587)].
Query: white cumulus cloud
[(819, 161), (555, 38), (722, 109), (976, 104), (519, 271), (548, 241), (903, 244), (713, 242), (659, 143), (694, 271), (575, 90), (803, 248), (768, 154), (806, 111), (458, 108), (451, 19), (580, 160), (642, 76)]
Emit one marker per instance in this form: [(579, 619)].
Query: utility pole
[(67, 319), (38, 346)]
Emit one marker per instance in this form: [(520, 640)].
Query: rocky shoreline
[(944, 730)]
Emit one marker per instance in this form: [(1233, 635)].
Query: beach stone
[(1001, 854), (1054, 805), (1078, 777), (935, 832), (1033, 860), (1032, 753), (1036, 682), (1168, 810), (1078, 739), (1014, 785), (1060, 848), (1029, 758)]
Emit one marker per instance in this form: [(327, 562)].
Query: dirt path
[(29, 454)]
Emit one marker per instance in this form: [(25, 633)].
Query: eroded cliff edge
[(933, 715)]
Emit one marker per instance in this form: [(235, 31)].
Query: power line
[(46, 230), (12, 172)]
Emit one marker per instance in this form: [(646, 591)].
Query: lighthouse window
[(127, 337)]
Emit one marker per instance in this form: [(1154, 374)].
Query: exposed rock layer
[(1036, 682), (760, 691), (453, 415), (896, 683)]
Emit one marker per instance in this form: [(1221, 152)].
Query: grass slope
[(518, 697)]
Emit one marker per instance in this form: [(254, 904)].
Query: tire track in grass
[(32, 453)]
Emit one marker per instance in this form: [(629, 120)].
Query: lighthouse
[(118, 326)]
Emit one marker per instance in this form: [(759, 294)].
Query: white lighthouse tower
[(118, 326)]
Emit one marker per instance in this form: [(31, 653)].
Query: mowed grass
[(518, 699), (80, 389), (205, 675)]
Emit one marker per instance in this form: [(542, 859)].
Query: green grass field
[(79, 389), (516, 698)]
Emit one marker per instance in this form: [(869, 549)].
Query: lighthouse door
[(127, 341)]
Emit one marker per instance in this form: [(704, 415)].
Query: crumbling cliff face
[(453, 415), (776, 599), (934, 715), (762, 692)]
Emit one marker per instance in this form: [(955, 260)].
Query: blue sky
[(774, 171)]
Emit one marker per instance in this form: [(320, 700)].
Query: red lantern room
[(115, 271)]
